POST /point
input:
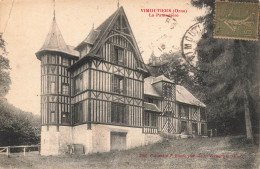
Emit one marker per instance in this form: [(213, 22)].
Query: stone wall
[(81, 135), (54, 142), (101, 136)]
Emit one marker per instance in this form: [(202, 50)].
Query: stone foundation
[(55, 140), (96, 139)]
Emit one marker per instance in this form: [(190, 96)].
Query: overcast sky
[(30, 21)]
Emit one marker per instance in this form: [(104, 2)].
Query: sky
[(28, 24)]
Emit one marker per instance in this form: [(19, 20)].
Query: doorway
[(195, 129)]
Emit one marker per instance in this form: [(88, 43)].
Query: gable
[(118, 24)]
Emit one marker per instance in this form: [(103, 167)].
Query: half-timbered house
[(100, 94)]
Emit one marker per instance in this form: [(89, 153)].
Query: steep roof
[(90, 39), (55, 42), (103, 27), (148, 88), (96, 36), (182, 94)]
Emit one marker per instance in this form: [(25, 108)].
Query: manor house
[(101, 95)]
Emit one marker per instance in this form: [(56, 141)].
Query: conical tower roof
[(54, 42), (54, 39)]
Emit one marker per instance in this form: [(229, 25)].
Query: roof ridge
[(110, 19)]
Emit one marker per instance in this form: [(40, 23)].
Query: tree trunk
[(249, 133)]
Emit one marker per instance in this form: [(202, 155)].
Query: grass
[(172, 153)]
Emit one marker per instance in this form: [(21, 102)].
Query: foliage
[(18, 127), (225, 77), (4, 67), (172, 66), (230, 79)]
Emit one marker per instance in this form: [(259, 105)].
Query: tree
[(172, 66), (231, 80), (16, 126), (4, 67)]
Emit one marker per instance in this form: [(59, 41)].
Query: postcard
[(129, 84)]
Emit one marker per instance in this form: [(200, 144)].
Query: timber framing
[(103, 84)]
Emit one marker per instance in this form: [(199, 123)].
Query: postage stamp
[(236, 20)]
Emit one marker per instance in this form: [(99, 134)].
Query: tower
[(55, 57)]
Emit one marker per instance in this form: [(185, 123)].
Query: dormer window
[(119, 55), (84, 50)]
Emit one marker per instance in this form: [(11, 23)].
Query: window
[(118, 84), (146, 119), (65, 62), (202, 114), (151, 100), (52, 84), (184, 111), (153, 119), (52, 107), (53, 87), (202, 129), (52, 116), (150, 119), (65, 89), (195, 128), (118, 113), (52, 59), (119, 55), (183, 126), (78, 112), (65, 118), (78, 84)]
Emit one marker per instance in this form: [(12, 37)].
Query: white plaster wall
[(100, 138), (49, 141), (53, 141), (65, 138), (81, 135), (97, 139), (134, 137)]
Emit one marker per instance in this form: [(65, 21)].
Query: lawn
[(220, 152)]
